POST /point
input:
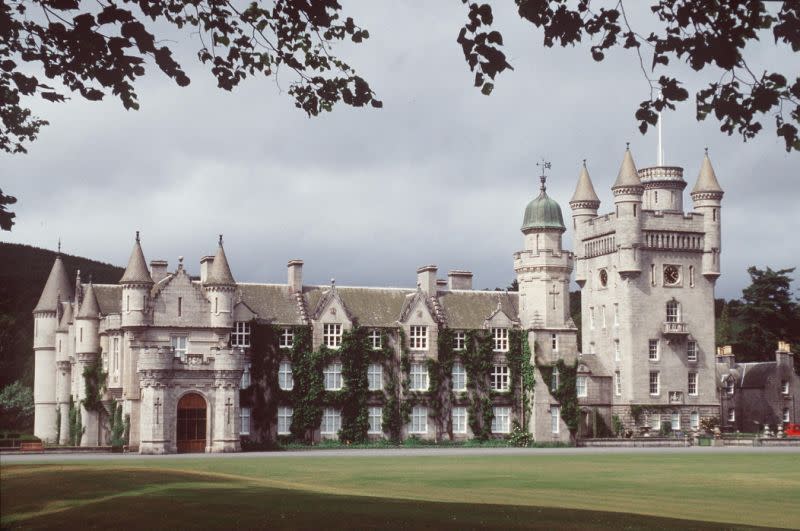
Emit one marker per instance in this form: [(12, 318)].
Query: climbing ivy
[(94, 384), (355, 356), (262, 395), (308, 394), (58, 424), (519, 362), (566, 393), (117, 425), (477, 357), (440, 372), (75, 424)]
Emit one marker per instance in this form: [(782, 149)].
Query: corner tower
[(136, 284), (707, 198), (584, 205), (220, 288)]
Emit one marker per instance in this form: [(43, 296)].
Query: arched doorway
[(191, 428)]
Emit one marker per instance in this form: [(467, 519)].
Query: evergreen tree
[(725, 334)]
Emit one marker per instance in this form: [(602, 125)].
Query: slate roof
[(593, 364), (57, 287), (707, 179), (66, 317), (137, 271), (109, 298), (754, 375), (220, 273), (89, 307), (584, 191), (272, 302), (469, 309), (627, 176)]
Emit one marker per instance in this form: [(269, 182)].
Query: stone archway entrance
[(191, 428)]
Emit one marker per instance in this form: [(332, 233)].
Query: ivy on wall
[(395, 411), (566, 393), (522, 377), (76, 428), (94, 379), (117, 425), (477, 357), (261, 396)]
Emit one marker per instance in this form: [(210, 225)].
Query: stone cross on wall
[(553, 291), (156, 406), (228, 406)]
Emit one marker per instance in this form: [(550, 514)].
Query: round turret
[(136, 285), (707, 198), (220, 289)]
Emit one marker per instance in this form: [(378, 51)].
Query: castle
[(176, 349)]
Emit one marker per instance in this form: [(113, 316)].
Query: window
[(180, 306), (501, 423), (115, 357), (694, 421), (672, 312), (676, 422), (617, 353), (500, 336), (603, 315), (375, 339), (459, 340), (80, 332), (580, 386), (241, 334), (375, 377), (285, 420), (418, 340), (245, 383), (731, 415), (554, 342), (333, 377), (332, 335), (691, 351), (786, 417), (128, 303), (179, 346), (616, 314), (655, 383), (617, 383), (216, 304), (652, 274), (375, 420), (655, 422), (656, 196), (691, 276), (459, 419), (591, 318), (729, 384), (419, 419), (652, 349), (331, 421), (285, 377), (244, 418), (500, 378), (286, 339), (785, 387), (459, 377), (419, 377), (555, 417), (693, 384), (554, 380)]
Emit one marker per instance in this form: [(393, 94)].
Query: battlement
[(661, 173)]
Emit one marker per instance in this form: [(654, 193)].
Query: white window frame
[(554, 342), (555, 380), (555, 419), (784, 387), (115, 350), (692, 383), (375, 377), (180, 351), (245, 382), (786, 415), (501, 421), (500, 337), (656, 381), (285, 420), (653, 349), (375, 339), (603, 315), (418, 377), (332, 374), (332, 335), (582, 386), (419, 420), (694, 421), (459, 415), (375, 419), (285, 376), (731, 415), (730, 386), (691, 350), (459, 377), (673, 311), (675, 421), (331, 422), (500, 378), (617, 383), (244, 420), (591, 317), (459, 340), (418, 337), (286, 339), (616, 314), (240, 337), (617, 352)]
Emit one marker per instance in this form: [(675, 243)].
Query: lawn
[(637, 491)]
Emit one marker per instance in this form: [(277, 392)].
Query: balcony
[(676, 329)]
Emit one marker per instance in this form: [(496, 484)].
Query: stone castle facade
[(176, 349)]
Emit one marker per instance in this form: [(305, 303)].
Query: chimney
[(459, 279), (158, 270), (441, 284), (725, 355), (426, 279), (295, 268), (784, 354), (205, 267)]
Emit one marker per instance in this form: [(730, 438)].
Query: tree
[(16, 407), (725, 335), (6, 217), (770, 314)]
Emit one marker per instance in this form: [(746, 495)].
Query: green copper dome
[(543, 213)]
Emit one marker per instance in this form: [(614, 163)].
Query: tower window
[(617, 383), (180, 306), (691, 276), (617, 353), (673, 313), (634, 210), (714, 214), (691, 350), (692, 383), (652, 350), (656, 196), (655, 383), (554, 342), (652, 274), (554, 380)]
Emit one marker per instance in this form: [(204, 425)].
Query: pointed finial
[(137, 236), (180, 262), (59, 238), (545, 165), (706, 148), (627, 146), (220, 239), (584, 163), (333, 282)]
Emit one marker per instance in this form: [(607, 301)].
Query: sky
[(441, 175)]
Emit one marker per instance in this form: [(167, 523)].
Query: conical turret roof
[(136, 272), (707, 179), (627, 176), (584, 191), (220, 273), (89, 308), (66, 317), (57, 287)]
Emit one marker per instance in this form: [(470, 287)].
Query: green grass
[(636, 491)]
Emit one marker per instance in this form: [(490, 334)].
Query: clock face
[(603, 277), (671, 275)]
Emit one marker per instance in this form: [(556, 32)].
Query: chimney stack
[(784, 354), (459, 279), (426, 279), (158, 270), (725, 355), (295, 269), (205, 267)]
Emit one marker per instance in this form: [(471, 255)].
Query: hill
[(23, 273)]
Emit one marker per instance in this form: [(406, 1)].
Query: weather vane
[(545, 165)]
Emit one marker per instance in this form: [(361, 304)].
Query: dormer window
[(241, 334), (286, 339), (375, 339), (332, 335), (459, 340), (418, 338), (500, 336)]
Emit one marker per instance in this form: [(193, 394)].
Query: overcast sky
[(440, 175)]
